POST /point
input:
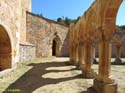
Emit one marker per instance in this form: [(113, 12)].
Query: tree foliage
[(67, 21), (121, 27)]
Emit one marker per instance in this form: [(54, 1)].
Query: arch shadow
[(33, 79)]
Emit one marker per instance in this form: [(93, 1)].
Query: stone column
[(87, 70), (103, 83), (94, 56), (77, 56), (104, 60), (82, 56), (73, 54), (71, 44), (118, 54)]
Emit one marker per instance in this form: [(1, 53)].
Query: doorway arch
[(56, 46), (5, 49)]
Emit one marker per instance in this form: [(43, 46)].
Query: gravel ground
[(54, 75)]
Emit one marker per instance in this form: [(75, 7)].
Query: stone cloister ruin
[(24, 35), (96, 26)]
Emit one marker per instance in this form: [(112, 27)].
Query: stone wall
[(13, 21), (27, 52), (25, 6), (10, 20), (42, 31)]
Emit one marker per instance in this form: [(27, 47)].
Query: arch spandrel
[(108, 19)]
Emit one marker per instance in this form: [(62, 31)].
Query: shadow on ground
[(33, 80)]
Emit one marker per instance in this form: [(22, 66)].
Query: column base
[(117, 61), (82, 66), (88, 74), (95, 61), (77, 65), (101, 87), (71, 62)]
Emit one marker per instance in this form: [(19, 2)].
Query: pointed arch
[(56, 46)]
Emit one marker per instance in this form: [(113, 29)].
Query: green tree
[(77, 19), (67, 21), (59, 19), (121, 27)]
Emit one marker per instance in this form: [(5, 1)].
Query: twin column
[(86, 60), (103, 83)]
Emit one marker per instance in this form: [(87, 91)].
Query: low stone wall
[(27, 52)]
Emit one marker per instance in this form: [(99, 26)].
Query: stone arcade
[(93, 27)]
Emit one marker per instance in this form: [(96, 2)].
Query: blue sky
[(53, 9)]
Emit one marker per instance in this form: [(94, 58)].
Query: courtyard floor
[(53, 75)]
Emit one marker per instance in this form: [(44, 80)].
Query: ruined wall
[(27, 52), (41, 32), (25, 47), (13, 20), (10, 20)]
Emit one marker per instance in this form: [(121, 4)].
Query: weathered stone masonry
[(46, 37), (27, 52), (10, 24), (12, 32), (41, 32)]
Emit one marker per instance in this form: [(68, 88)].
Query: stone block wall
[(42, 31), (13, 20), (10, 21), (27, 52), (25, 6)]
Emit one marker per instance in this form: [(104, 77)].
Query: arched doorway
[(56, 45), (54, 48), (5, 49)]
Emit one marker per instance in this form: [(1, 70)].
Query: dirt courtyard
[(53, 75)]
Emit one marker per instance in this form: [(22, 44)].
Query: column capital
[(104, 34)]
